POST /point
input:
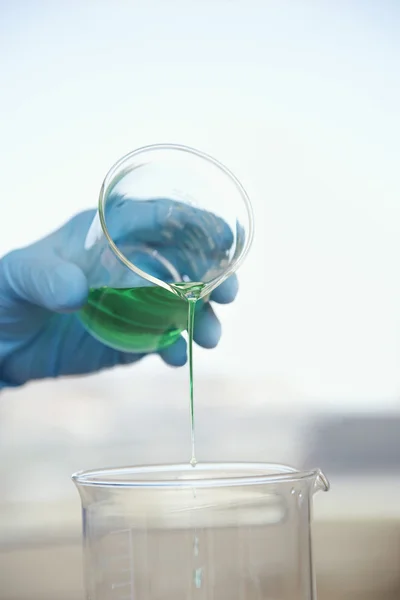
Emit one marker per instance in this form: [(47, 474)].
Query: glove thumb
[(43, 279)]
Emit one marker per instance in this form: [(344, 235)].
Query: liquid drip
[(191, 314), (191, 292)]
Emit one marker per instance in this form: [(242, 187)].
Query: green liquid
[(192, 293), (143, 320), (191, 313)]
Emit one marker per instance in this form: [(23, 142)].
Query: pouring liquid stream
[(191, 314), (146, 319), (192, 293)]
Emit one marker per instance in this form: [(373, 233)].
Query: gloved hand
[(40, 336)]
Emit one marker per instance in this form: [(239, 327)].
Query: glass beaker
[(172, 223), (213, 532)]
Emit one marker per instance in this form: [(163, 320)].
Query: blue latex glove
[(40, 336)]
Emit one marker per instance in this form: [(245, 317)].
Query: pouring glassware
[(172, 224)]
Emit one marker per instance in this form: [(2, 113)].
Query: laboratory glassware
[(172, 223), (213, 532)]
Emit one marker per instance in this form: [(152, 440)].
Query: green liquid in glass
[(142, 319)]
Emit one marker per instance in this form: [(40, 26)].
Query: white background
[(300, 99)]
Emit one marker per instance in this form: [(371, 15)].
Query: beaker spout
[(321, 482)]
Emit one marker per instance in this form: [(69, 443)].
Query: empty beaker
[(213, 532), (172, 223)]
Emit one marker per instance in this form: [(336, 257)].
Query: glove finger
[(207, 332), (207, 328), (43, 279), (175, 355), (227, 291)]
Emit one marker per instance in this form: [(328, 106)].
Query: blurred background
[(301, 100)]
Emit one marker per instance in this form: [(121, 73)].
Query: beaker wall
[(211, 538)]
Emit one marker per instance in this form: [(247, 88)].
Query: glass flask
[(213, 532), (172, 224)]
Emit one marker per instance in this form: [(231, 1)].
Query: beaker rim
[(210, 474), (177, 148)]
